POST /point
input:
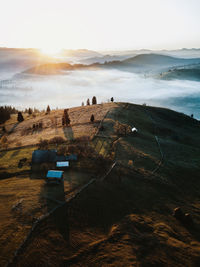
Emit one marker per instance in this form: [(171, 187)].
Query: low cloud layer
[(71, 88)]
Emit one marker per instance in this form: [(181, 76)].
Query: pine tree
[(65, 118), (92, 118), (48, 109), (30, 111), (88, 102), (82, 104), (112, 99), (20, 117), (94, 100)]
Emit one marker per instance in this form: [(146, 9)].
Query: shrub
[(43, 144), (122, 129), (61, 150), (40, 125), (81, 139), (57, 140)]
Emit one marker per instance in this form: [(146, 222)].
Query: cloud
[(71, 89)]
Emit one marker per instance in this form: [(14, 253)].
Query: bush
[(62, 150), (57, 140), (122, 129), (81, 139), (43, 144)]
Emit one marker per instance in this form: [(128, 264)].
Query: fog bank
[(71, 88)]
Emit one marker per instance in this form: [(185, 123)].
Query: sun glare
[(51, 51)]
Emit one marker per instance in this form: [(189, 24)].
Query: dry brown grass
[(52, 125), (127, 219)]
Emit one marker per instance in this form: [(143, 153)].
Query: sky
[(100, 24)]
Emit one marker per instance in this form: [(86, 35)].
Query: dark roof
[(71, 157), (41, 156)]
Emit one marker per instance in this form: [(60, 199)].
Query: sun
[(51, 51)]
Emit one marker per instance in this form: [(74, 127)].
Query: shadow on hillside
[(68, 132), (53, 196), (3, 153), (15, 153), (13, 128)]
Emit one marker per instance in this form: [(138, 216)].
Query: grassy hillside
[(123, 218), (190, 73)]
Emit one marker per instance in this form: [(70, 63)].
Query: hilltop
[(124, 217)]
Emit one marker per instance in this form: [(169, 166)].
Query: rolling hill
[(119, 209), (187, 73), (152, 63)]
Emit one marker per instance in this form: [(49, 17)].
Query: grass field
[(124, 220)]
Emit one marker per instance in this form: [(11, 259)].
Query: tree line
[(5, 113)]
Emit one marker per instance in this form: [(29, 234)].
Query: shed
[(134, 130), (55, 177), (42, 160), (41, 156), (62, 164)]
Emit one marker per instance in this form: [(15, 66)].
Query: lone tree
[(92, 118), (94, 100), (82, 104), (30, 111), (48, 109), (20, 117), (88, 102), (65, 118), (112, 99)]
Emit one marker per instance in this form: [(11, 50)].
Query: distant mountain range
[(145, 63), (32, 61)]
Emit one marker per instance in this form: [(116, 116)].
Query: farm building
[(134, 130), (54, 177), (62, 164), (43, 160)]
